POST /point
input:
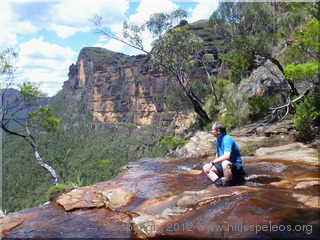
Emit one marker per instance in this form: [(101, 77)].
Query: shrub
[(169, 142), (230, 121), (55, 191), (236, 109), (259, 108), (307, 116)]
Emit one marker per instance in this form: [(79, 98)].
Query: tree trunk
[(31, 141), (45, 166), (193, 98), (278, 64), (197, 107)]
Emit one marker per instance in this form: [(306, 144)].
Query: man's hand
[(225, 156), (207, 168)]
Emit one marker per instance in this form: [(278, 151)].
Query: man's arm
[(216, 155), (225, 156)]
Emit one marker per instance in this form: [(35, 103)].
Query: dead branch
[(278, 114)]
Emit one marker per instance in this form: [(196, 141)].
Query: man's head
[(218, 128)]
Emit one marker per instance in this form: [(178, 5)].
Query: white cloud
[(64, 31), (45, 62), (149, 7), (8, 36), (41, 61), (203, 10), (69, 17), (63, 17), (145, 9)]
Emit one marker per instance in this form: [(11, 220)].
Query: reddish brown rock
[(307, 200), (173, 198), (307, 184), (117, 198), (80, 198)]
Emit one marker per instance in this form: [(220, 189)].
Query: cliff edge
[(171, 197)]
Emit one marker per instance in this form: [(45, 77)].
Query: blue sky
[(50, 34)]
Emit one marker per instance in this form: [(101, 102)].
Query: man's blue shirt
[(225, 143)]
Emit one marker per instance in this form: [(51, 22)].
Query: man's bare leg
[(211, 172), (227, 171)]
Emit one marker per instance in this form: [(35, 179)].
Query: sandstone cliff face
[(120, 88)]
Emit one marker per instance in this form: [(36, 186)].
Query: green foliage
[(7, 61), (159, 23), (55, 191), (80, 154), (245, 151), (304, 68), (304, 53), (310, 36), (252, 30), (30, 92), (230, 121), (170, 142), (239, 62), (132, 32), (234, 109), (308, 70), (175, 51), (211, 106), (259, 107), (302, 9), (176, 99), (250, 26), (43, 118), (307, 116), (219, 89), (305, 43), (8, 58)]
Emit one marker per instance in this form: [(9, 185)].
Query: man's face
[(215, 132)]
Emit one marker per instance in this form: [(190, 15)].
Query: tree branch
[(97, 23), (276, 112), (30, 139)]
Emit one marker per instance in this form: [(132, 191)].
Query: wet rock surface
[(172, 198)]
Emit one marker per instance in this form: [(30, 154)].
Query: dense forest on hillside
[(80, 155), (286, 37)]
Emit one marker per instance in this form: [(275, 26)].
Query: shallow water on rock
[(164, 198)]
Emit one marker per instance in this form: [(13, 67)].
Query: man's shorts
[(238, 172)]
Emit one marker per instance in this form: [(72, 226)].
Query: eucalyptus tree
[(304, 69), (251, 31), (177, 52), (175, 49), (22, 114)]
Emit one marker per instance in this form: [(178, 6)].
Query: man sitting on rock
[(227, 162)]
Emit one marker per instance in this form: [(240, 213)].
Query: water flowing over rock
[(171, 197)]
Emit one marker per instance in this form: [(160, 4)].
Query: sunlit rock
[(116, 198), (304, 185), (80, 198), (297, 152), (172, 197), (310, 201)]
